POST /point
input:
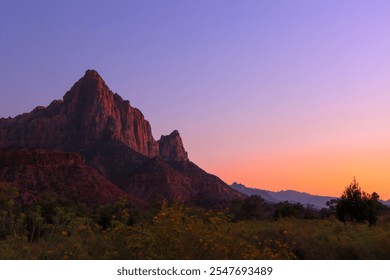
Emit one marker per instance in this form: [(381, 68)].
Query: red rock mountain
[(88, 113), (111, 142), (36, 171), (171, 147)]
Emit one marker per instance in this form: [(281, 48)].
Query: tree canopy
[(355, 205)]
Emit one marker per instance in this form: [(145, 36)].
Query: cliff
[(96, 143), (89, 112)]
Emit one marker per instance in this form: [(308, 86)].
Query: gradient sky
[(272, 94)]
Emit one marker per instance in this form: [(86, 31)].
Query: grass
[(179, 232)]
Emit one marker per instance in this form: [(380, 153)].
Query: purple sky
[(273, 94)]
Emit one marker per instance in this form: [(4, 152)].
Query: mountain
[(289, 195), (386, 202), (304, 198), (37, 171), (114, 146), (88, 113), (252, 191)]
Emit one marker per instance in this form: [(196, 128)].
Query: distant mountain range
[(292, 196), (316, 201)]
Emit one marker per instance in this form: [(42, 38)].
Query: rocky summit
[(88, 113), (93, 146)]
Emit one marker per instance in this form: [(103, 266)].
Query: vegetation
[(356, 206), (248, 229)]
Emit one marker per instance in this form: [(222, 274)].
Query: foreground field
[(178, 232)]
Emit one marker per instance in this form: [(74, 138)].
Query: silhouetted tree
[(355, 205), (373, 207)]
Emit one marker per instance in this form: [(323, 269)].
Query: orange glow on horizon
[(319, 173)]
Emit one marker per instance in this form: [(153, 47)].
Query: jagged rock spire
[(172, 148)]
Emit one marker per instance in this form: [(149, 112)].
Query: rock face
[(94, 141), (88, 113), (171, 147), (37, 171)]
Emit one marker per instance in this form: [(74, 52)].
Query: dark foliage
[(251, 208), (53, 228), (356, 206)]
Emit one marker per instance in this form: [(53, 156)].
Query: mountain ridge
[(318, 201), (292, 196), (115, 140)]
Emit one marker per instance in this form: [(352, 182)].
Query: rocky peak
[(89, 113), (103, 115), (90, 86), (172, 148), (92, 74)]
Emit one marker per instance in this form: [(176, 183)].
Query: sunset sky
[(272, 94)]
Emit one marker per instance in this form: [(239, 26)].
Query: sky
[(272, 94)]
